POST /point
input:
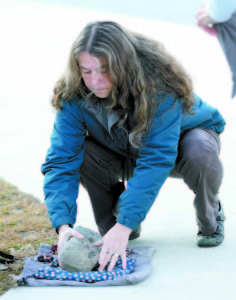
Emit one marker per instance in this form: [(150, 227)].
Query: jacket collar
[(99, 111)]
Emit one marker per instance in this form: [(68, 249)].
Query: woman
[(126, 111)]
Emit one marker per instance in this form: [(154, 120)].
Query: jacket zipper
[(100, 124)]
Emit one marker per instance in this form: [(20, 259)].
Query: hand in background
[(114, 245), (204, 21)]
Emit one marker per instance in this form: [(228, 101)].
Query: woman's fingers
[(124, 260), (99, 243), (104, 258), (115, 243), (65, 235), (71, 232), (113, 261), (77, 234)]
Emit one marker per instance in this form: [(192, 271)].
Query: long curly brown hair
[(139, 67)]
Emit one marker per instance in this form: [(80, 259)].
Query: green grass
[(24, 225)]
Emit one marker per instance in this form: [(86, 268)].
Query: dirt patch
[(24, 225)]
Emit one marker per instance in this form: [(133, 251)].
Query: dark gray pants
[(197, 163)]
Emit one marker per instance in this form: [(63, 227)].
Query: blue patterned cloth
[(53, 272), (141, 256)]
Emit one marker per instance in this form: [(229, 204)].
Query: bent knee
[(199, 149)]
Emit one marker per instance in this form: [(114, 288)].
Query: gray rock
[(79, 255)]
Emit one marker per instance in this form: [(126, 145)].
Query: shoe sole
[(207, 244)]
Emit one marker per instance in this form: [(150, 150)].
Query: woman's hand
[(114, 245), (65, 232)]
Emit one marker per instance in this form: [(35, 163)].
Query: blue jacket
[(156, 157)]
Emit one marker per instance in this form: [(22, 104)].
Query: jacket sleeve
[(156, 160), (220, 10), (61, 168)]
